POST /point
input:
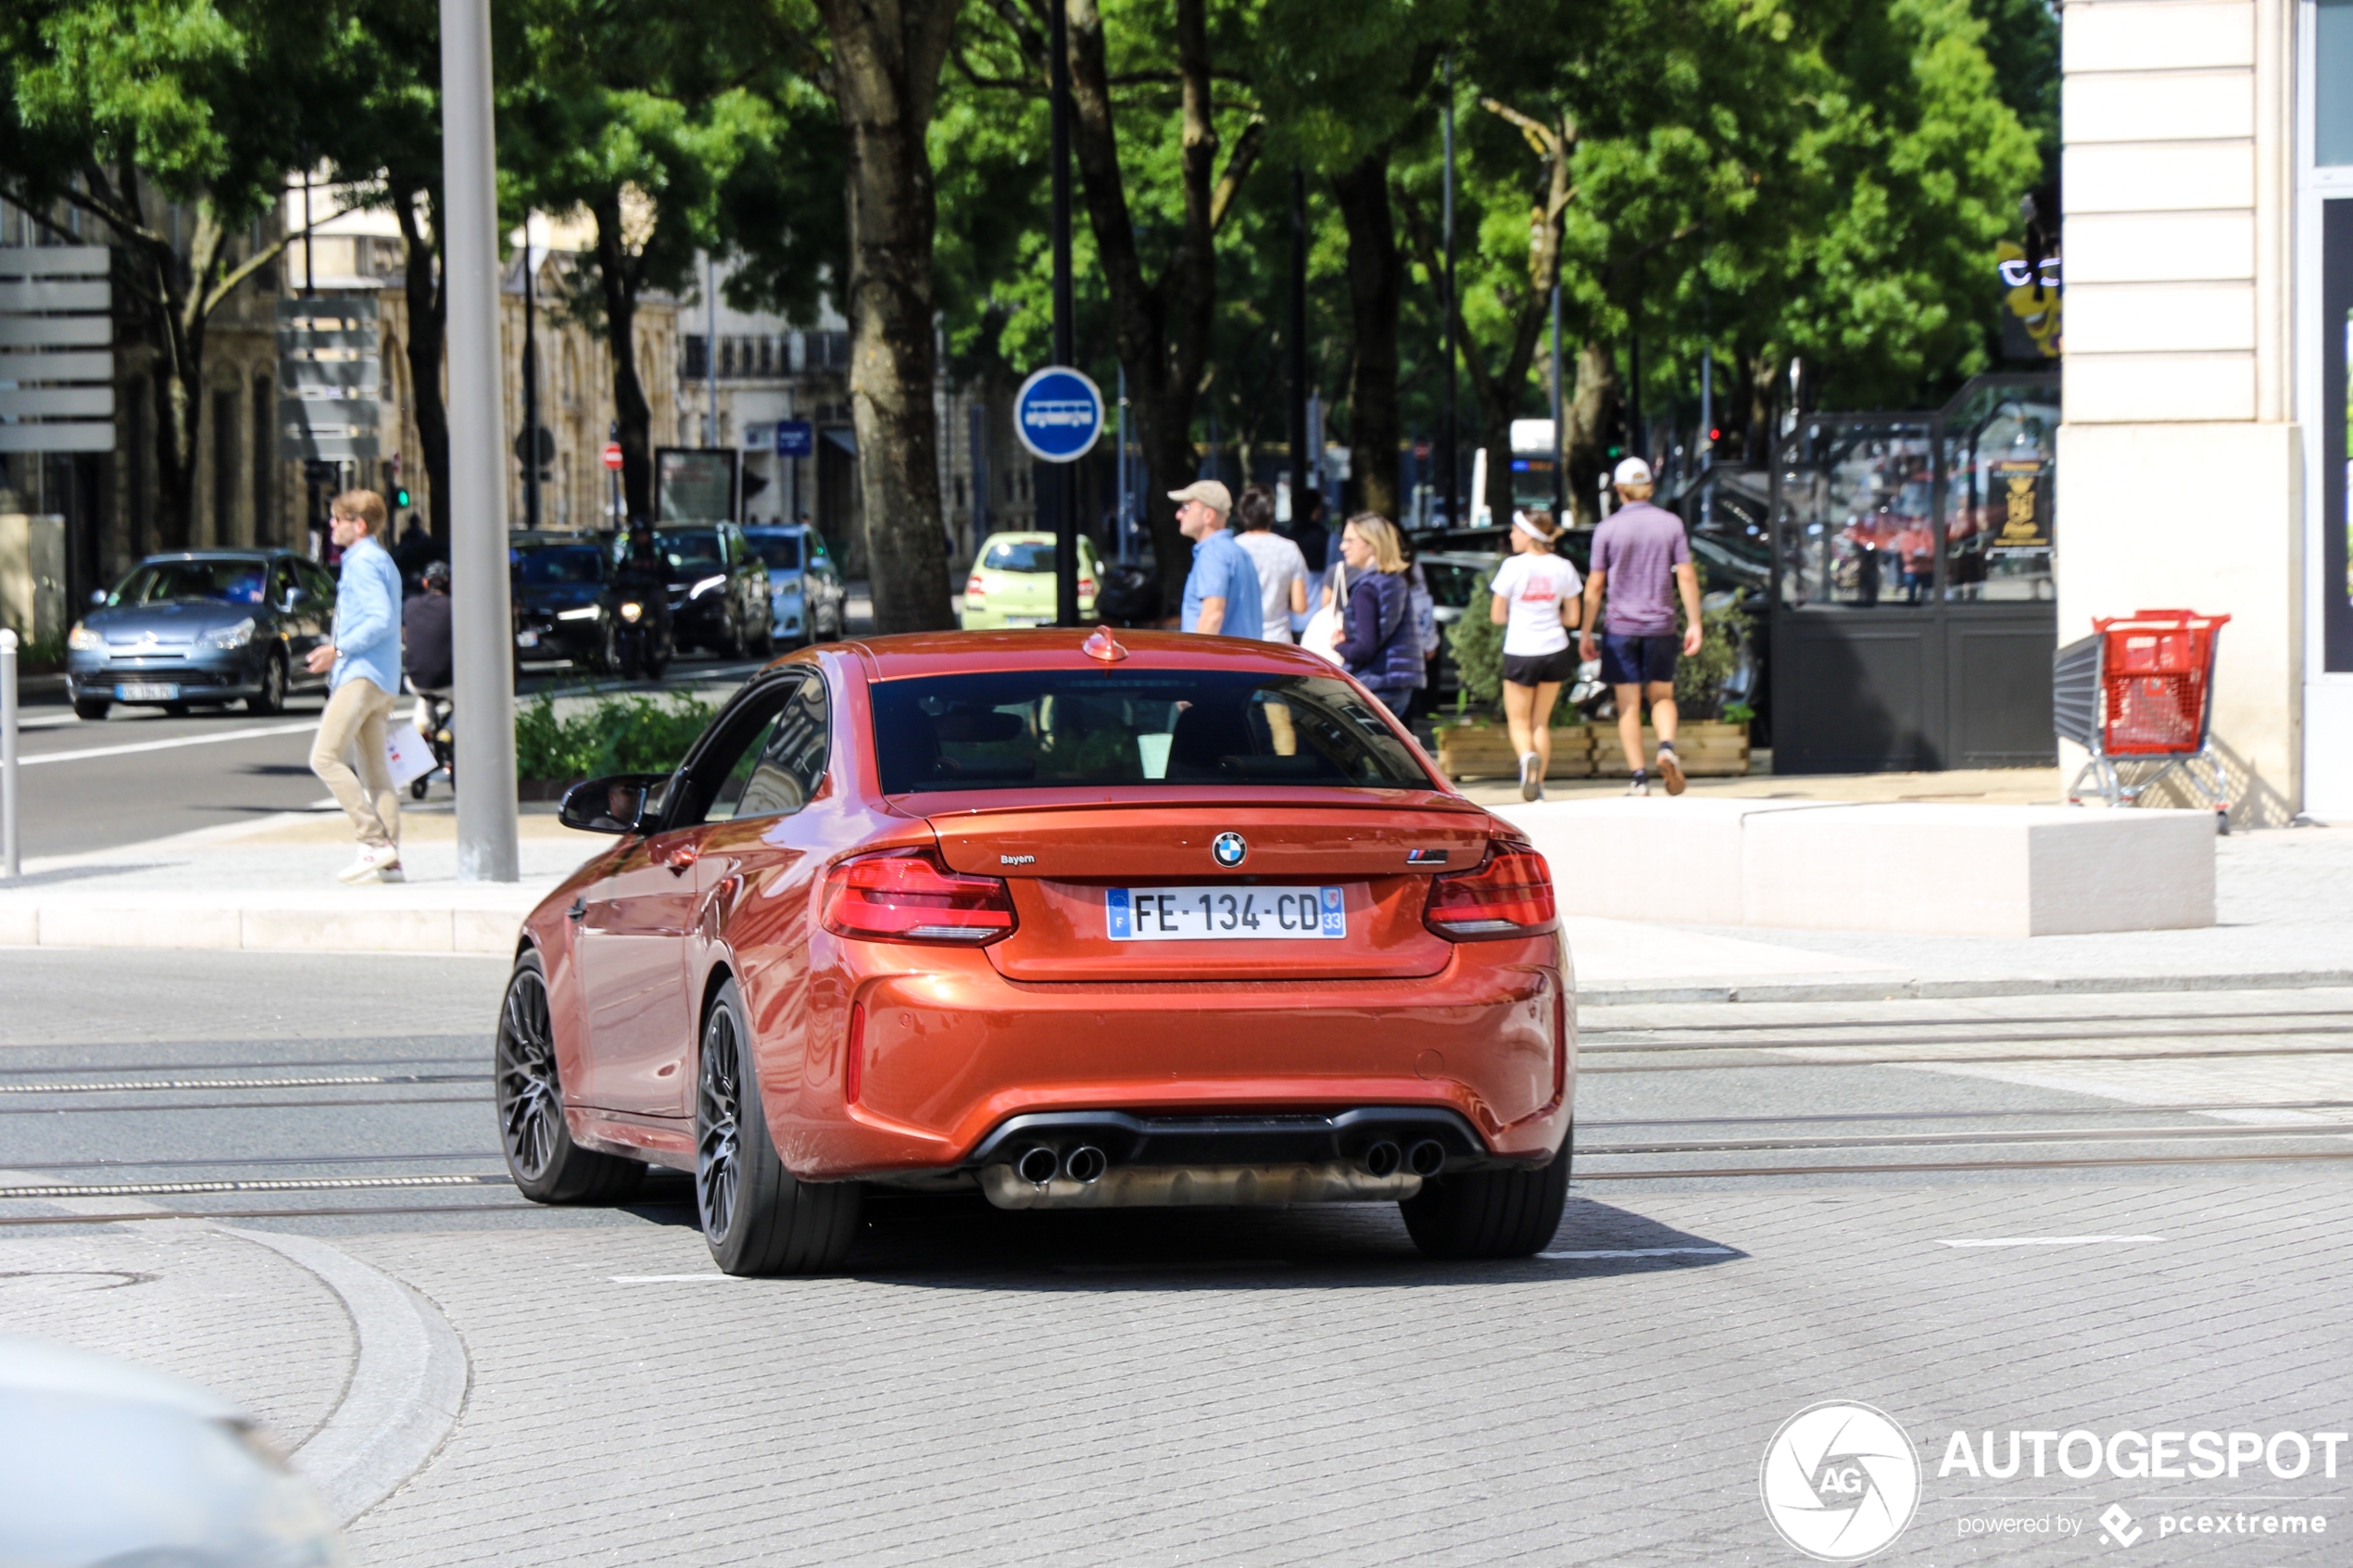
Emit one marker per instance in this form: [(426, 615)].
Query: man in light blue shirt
[(364, 654), (1221, 593)]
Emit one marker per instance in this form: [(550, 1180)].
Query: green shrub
[(1699, 677), (631, 734)]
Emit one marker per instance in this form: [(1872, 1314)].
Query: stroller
[(2138, 694)]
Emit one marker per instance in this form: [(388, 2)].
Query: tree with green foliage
[(137, 114)]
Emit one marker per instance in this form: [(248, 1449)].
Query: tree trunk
[(888, 55), (1375, 288), (617, 272), (1163, 329), (428, 322), (1589, 414)]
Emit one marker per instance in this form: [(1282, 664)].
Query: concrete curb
[(1902, 990), (373, 921), (408, 1380)]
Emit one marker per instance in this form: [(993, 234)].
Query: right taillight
[(905, 896), (1509, 896)]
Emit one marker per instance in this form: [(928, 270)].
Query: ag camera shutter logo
[(1840, 1481)]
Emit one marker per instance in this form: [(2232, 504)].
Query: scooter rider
[(428, 650)]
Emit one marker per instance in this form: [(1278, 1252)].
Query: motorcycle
[(637, 640)]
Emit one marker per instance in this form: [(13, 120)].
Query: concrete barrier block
[(300, 929), (487, 931), (68, 921), (1630, 857), (19, 923), (1978, 871)]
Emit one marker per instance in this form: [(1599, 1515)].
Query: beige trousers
[(355, 720)]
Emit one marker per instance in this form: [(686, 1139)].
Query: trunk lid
[(1063, 863)]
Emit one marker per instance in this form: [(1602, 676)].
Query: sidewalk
[(269, 885)]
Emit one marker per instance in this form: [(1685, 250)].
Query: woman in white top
[(1282, 570), (1537, 600)]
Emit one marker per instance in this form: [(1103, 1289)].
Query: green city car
[(1013, 581)]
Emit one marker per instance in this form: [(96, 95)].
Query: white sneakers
[(1671, 768), (1531, 777), (1641, 785), (376, 863)]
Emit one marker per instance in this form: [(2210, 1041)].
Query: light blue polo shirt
[(1222, 569)]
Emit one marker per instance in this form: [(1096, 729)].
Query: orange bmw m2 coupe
[(1072, 920)]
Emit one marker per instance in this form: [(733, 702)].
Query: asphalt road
[(140, 773), (2104, 1213)]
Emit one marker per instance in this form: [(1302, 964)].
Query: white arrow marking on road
[(165, 744), (2049, 1240), (1642, 1252)]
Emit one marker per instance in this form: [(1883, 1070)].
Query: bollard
[(10, 863)]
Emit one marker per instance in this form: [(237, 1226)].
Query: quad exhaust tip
[(1085, 1164), (1036, 1166), (1381, 1159), (1426, 1158)]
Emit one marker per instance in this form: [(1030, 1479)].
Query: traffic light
[(400, 496)]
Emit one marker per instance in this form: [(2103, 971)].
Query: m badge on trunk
[(1227, 849)]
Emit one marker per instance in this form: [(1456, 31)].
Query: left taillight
[(1511, 894), (906, 895)]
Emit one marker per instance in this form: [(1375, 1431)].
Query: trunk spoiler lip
[(1424, 800)]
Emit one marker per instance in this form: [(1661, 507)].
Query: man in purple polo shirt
[(1639, 551)]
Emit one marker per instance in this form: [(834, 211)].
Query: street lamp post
[(1064, 475), (1451, 451), (482, 636)]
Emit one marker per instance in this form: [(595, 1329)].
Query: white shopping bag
[(1328, 625), (406, 755)]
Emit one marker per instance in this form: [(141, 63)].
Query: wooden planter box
[(1484, 751), (1708, 750)]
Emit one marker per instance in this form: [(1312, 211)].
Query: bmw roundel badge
[(1227, 849)]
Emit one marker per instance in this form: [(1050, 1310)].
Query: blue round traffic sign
[(1058, 413)]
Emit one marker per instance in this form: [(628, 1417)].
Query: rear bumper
[(956, 1060)]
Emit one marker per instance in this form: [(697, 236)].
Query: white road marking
[(1641, 1252), (2049, 1240), (165, 744)]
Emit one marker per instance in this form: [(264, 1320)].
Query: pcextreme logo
[(1840, 1481)]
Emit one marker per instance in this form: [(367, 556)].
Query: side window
[(782, 761), (316, 579), (281, 583)]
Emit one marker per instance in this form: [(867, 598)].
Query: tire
[(757, 1217), (175, 709), (1490, 1213), (271, 697), (547, 1165), (92, 708), (417, 786)]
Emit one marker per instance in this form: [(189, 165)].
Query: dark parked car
[(718, 588), (560, 582), (202, 628)]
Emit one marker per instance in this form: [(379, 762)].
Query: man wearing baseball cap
[(1221, 593), (1639, 551)]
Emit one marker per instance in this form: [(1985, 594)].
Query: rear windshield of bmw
[(1030, 729)]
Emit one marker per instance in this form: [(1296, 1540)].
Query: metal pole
[(1065, 479), (1450, 456), (483, 636), (530, 386), (711, 350), (11, 862), (1560, 433), (1298, 464), (1706, 408), (1126, 496)]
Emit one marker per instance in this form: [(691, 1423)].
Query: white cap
[(1633, 470)]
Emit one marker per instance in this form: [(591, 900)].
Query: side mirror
[(622, 803), (97, 596)]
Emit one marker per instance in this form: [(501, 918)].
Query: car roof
[(258, 552), (1060, 648), (1020, 536)]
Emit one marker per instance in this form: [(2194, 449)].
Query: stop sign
[(612, 454)]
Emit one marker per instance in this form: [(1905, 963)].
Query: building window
[(265, 458), (2336, 398), (2333, 108), (695, 356), (224, 468)]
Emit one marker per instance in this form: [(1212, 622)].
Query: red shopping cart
[(2137, 694)]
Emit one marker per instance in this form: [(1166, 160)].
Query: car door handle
[(681, 858), (579, 909)]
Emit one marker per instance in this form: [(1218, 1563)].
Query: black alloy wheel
[(1490, 1213), (547, 1165), (271, 697), (758, 1218)]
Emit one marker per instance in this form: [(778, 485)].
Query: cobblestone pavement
[(1768, 1204)]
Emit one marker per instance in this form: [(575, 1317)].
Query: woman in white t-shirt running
[(1537, 600)]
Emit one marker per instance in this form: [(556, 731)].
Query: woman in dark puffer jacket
[(1378, 644)]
